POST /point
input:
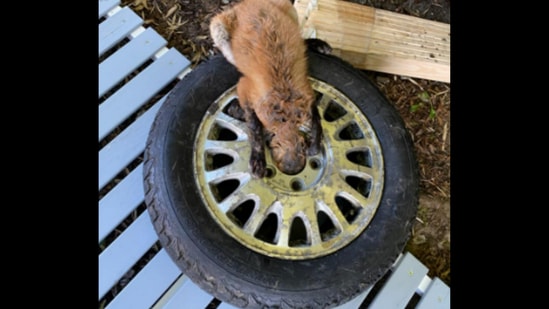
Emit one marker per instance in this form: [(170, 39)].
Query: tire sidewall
[(220, 264)]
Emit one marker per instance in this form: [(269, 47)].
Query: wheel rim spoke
[(307, 215)]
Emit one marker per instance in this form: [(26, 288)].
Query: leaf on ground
[(424, 96), (415, 107)]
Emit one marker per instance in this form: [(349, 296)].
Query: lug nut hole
[(297, 184), (314, 163)]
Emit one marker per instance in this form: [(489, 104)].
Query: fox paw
[(313, 149), (236, 111), (319, 46), (258, 165)]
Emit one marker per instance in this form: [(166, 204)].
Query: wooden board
[(379, 40)]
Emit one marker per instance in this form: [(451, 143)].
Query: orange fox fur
[(262, 39)]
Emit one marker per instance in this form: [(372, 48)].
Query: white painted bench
[(134, 271)]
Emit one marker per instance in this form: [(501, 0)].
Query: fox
[(262, 39)]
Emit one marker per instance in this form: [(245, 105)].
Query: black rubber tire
[(235, 274)]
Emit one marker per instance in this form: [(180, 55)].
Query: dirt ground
[(423, 104)]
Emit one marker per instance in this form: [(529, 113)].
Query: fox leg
[(257, 157), (316, 133), (258, 165)]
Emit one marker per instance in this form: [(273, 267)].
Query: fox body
[(262, 39)]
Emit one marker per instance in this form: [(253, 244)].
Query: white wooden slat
[(172, 290), (186, 294), (148, 285), (437, 296), (128, 58), (115, 28), (401, 285), (120, 201), (106, 5), (117, 154), (125, 251), (423, 285), (139, 90)]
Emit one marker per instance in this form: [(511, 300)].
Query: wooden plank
[(148, 285), (128, 58), (186, 294), (379, 40), (170, 292), (106, 5), (125, 251), (159, 274), (401, 285), (139, 90), (120, 202), (115, 28), (437, 296), (117, 154), (423, 285)]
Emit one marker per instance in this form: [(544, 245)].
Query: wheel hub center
[(300, 182)]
